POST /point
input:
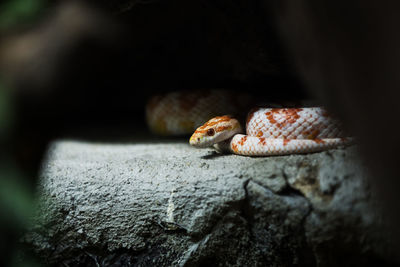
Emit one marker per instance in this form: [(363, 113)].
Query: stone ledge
[(170, 204)]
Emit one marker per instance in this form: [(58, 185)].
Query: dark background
[(85, 69), (97, 75)]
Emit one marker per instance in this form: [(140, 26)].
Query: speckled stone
[(163, 204)]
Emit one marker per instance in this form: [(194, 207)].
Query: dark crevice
[(290, 191), (305, 252)]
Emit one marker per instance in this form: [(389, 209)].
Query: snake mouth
[(198, 142), (204, 141)]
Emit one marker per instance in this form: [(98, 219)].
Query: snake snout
[(199, 141), (194, 140)]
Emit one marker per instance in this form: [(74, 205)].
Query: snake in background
[(269, 130)]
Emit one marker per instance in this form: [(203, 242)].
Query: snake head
[(214, 131)]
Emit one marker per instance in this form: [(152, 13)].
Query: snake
[(268, 131)]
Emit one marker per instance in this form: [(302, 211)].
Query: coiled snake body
[(269, 131)]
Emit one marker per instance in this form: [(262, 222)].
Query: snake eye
[(210, 132)]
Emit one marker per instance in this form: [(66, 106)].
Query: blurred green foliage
[(16, 198), (16, 12), (17, 203)]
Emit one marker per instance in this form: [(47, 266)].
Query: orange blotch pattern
[(189, 100), (222, 128), (262, 141), (242, 140), (311, 134), (286, 141), (212, 123), (290, 116), (234, 147)]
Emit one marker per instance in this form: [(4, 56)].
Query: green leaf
[(15, 12)]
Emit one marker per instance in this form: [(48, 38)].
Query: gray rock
[(162, 204)]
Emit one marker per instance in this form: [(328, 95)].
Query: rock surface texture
[(167, 204)]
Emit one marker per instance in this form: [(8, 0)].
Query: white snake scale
[(269, 131)]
